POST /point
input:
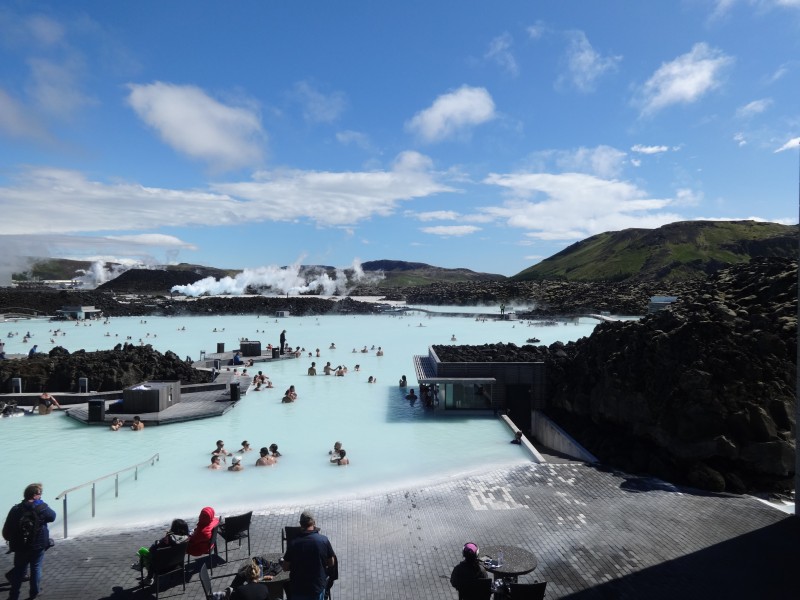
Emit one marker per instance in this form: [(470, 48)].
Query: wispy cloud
[(195, 124), (500, 52), (16, 120), (753, 108), (317, 106), (453, 114), (450, 230), (54, 87), (355, 138), (585, 66), (642, 149), (792, 144), (684, 80), (437, 215)]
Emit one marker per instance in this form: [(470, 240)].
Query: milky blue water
[(391, 444)]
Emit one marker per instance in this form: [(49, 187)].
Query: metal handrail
[(152, 460)]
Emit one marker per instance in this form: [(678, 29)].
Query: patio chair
[(166, 560), (288, 534), (480, 590), (234, 529), (212, 550), (527, 591), (205, 581)]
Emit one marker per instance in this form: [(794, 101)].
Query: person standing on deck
[(283, 340)]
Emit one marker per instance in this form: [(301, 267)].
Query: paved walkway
[(597, 534)]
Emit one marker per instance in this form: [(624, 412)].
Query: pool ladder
[(152, 460)]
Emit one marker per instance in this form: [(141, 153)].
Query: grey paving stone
[(596, 534)]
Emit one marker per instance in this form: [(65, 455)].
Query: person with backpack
[(28, 537)]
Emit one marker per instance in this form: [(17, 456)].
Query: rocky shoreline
[(702, 393)]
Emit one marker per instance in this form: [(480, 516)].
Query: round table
[(516, 561)]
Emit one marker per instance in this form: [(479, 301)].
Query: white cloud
[(572, 206), (450, 230), (740, 139), (500, 52), (153, 239), (437, 215), (323, 198), (642, 149), (687, 197), (684, 80), (319, 107), (46, 31), (194, 124), (753, 108), (453, 113), (792, 144), (584, 64)]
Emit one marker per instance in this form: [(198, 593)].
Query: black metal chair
[(288, 534), (235, 529), (527, 591), (166, 560), (205, 581), (480, 590), (212, 549)]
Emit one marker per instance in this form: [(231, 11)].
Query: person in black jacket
[(31, 513), (466, 573)]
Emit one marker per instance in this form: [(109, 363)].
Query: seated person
[(291, 393), (517, 438), (249, 583), (245, 447), (216, 462), (137, 424), (287, 398), (466, 573), (178, 533), (340, 460), (379, 352), (236, 464), (403, 381), (237, 358), (411, 395), (357, 368), (273, 448), (117, 423), (201, 536), (372, 379), (332, 346), (266, 460)]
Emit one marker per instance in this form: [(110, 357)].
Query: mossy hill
[(674, 252)]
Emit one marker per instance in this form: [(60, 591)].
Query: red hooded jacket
[(198, 541)]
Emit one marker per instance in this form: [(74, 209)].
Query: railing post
[(65, 516), (116, 486), (93, 486), (136, 473)]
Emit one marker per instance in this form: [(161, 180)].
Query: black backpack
[(30, 523)]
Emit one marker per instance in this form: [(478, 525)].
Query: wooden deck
[(200, 401)]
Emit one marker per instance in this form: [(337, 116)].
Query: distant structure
[(79, 312), (658, 303)]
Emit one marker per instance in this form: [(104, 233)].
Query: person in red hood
[(201, 536)]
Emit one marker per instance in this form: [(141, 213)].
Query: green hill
[(674, 252)]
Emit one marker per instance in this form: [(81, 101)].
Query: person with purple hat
[(466, 573)]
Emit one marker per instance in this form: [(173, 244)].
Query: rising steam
[(294, 279)]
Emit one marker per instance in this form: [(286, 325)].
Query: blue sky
[(471, 134)]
